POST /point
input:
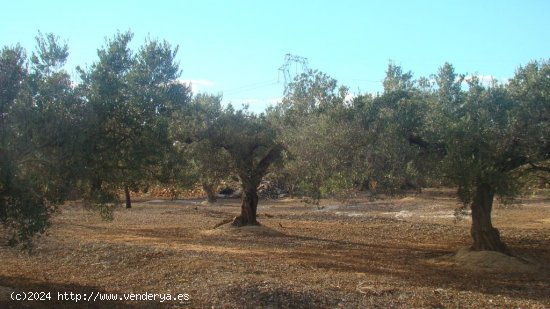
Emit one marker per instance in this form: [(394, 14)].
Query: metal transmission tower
[(287, 67)]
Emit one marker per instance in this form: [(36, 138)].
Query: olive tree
[(130, 99), (489, 137), (206, 163), (317, 129), (250, 144), (38, 111)]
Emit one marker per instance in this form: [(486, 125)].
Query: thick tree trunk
[(127, 196), (210, 192), (248, 207), (250, 177), (485, 236)]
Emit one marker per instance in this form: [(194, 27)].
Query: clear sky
[(237, 47)]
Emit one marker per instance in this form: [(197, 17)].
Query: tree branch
[(512, 163), (271, 156), (437, 148), (416, 140), (538, 168)]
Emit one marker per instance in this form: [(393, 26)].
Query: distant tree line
[(128, 123)]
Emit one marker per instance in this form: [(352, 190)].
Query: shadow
[(410, 263), (515, 285), (59, 295), (258, 295), (413, 264), (391, 253)]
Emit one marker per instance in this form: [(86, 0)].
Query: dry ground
[(382, 253)]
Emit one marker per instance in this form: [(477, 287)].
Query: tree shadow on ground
[(258, 296), (412, 265), (415, 266)]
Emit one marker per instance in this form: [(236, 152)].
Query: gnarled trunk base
[(484, 235), (249, 207), (489, 240)]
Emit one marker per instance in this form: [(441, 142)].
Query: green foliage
[(246, 137), (311, 93), (24, 212), (130, 123), (248, 141), (389, 120), (211, 163), (130, 101), (317, 130), (238, 141), (51, 54), (342, 144), (111, 130), (396, 80), (37, 114), (490, 133), (103, 201), (205, 162)]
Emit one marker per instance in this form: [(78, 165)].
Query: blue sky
[(236, 47)]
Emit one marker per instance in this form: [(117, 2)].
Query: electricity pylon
[(286, 68)]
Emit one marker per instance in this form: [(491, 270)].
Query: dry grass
[(368, 254)]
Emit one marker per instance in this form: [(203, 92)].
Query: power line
[(288, 72)]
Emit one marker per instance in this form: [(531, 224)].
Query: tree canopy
[(249, 142), (130, 99), (38, 109), (485, 139)]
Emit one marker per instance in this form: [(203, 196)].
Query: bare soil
[(404, 252)]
